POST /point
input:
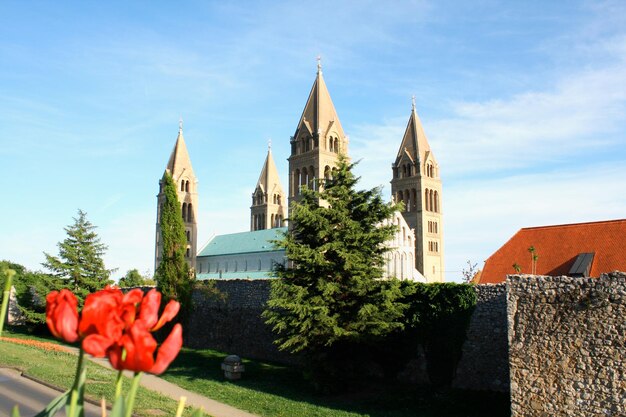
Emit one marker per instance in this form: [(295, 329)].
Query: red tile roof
[(558, 247)]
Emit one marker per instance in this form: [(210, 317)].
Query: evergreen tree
[(173, 275), (80, 262), (331, 293)]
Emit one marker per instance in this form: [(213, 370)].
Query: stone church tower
[(268, 199), (317, 142), (416, 182), (179, 167)]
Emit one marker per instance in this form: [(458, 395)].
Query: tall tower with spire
[(268, 200), (179, 167), (416, 183), (317, 142)]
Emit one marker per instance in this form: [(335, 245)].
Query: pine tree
[(173, 275), (331, 292), (80, 262)]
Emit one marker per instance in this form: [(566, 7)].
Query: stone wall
[(227, 317), (484, 363), (567, 341)]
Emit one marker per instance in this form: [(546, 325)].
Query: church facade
[(416, 252)]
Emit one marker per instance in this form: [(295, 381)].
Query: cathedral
[(416, 251)]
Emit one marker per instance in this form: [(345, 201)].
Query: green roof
[(244, 242), (236, 275)]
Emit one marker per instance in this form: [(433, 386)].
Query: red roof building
[(581, 249)]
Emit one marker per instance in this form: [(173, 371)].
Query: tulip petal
[(149, 310), (96, 345), (168, 350), (170, 311), (133, 296), (62, 315)]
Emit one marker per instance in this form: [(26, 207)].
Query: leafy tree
[(31, 289), (173, 275), (80, 262), (134, 279), (331, 296)]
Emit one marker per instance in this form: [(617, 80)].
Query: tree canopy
[(80, 262), (173, 275), (331, 289)]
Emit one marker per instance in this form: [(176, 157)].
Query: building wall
[(244, 262), (567, 345), (230, 321)]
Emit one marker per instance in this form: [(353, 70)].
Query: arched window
[(426, 200), (189, 213), (187, 185), (182, 185), (278, 199), (296, 181), (327, 172), (431, 202), (337, 145), (184, 212), (311, 182), (273, 221), (407, 200), (403, 171)]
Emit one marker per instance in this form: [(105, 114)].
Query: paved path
[(30, 396), (154, 383)]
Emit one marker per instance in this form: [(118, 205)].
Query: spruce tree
[(331, 292), (80, 264), (173, 275)]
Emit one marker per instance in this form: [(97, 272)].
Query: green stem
[(78, 389), (118, 383), (5, 297), (130, 401)]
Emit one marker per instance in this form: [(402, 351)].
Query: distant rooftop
[(244, 242), (575, 249)]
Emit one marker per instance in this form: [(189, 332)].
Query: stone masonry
[(567, 340), (229, 320), (484, 362)]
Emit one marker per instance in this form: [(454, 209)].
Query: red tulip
[(101, 322), (135, 350), (119, 326), (168, 350), (149, 311), (62, 315)]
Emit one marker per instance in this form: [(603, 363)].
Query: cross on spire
[(319, 64), (269, 144), (180, 124), (413, 102)]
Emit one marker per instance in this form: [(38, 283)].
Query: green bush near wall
[(436, 317)]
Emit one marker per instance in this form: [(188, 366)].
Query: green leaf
[(54, 406), (198, 412), (119, 407), (15, 412)]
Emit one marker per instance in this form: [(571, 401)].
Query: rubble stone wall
[(567, 345)]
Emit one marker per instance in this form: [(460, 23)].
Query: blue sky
[(524, 105)]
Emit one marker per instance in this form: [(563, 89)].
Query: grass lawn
[(58, 368), (273, 390)]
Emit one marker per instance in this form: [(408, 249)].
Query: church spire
[(267, 209), (179, 167), (417, 184), (317, 142)]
